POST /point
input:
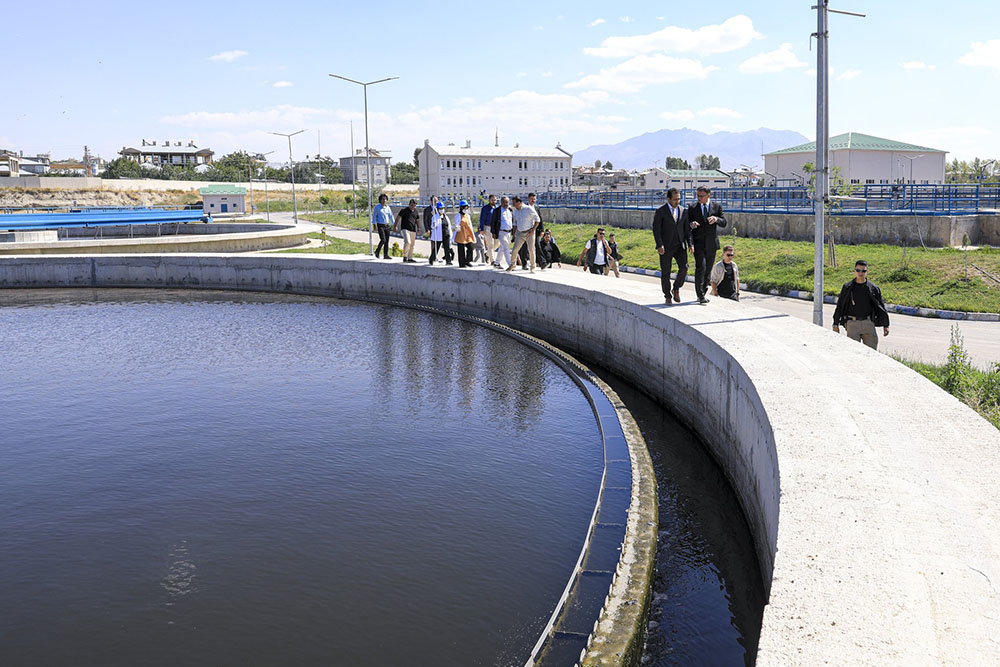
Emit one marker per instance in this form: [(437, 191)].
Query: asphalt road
[(916, 338)]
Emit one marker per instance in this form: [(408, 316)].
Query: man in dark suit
[(672, 235), (705, 217)]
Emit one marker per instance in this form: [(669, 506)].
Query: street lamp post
[(291, 166), (822, 146), (912, 159), (267, 199), (368, 150)]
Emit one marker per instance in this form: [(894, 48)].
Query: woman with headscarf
[(440, 233)]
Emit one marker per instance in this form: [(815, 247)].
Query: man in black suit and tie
[(705, 217), (672, 235)]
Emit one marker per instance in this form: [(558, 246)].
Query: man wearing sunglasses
[(860, 308)]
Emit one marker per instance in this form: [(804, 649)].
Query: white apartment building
[(863, 160), (465, 171)]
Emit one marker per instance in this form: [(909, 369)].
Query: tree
[(838, 187), (707, 162), (597, 164), (416, 157), (401, 172), (123, 167), (677, 163), (608, 165)]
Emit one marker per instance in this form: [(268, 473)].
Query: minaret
[(496, 137)]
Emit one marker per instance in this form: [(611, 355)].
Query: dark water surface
[(244, 479), (708, 598)]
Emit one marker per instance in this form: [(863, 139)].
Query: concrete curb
[(891, 307)]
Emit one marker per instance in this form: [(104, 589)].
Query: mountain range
[(732, 148)]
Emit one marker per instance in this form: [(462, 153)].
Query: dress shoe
[(677, 296), (703, 300)]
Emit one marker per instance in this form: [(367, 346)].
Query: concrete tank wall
[(871, 494)]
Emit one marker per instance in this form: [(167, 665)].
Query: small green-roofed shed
[(223, 199)]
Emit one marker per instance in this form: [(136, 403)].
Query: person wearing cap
[(464, 236), (527, 221), (382, 222), (440, 234), (860, 308)]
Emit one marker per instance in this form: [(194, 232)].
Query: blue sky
[(109, 74)]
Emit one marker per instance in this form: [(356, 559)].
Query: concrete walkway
[(916, 338)]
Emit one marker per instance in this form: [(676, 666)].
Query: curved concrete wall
[(167, 237), (871, 494)]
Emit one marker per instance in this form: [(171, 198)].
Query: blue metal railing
[(951, 199)]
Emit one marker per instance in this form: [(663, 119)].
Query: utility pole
[(291, 166), (354, 173), (822, 146)]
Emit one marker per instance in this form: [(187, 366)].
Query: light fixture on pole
[(822, 147), (982, 168), (291, 167), (368, 150), (267, 200), (912, 159)]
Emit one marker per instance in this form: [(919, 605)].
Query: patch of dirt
[(45, 197)]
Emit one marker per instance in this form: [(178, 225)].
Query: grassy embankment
[(933, 278), (979, 389), (337, 246)]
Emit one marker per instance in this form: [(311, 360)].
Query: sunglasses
[(728, 254), (861, 270)]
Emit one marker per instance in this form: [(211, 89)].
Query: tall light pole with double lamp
[(291, 166), (822, 146), (368, 150), (912, 159), (267, 199)]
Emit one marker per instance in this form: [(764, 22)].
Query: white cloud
[(985, 54), (683, 114), (917, 64), (849, 74), (228, 56), (633, 75), (283, 84), (596, 22), (713, 112), (720, 112), (732, 34), (772, 61), (625, 19), (546, 75)]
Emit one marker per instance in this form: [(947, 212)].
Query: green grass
[(933, 278), (978, 389), (334, 246), (339, 220)]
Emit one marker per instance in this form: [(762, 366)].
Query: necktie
[(675, 213), (704, 212)]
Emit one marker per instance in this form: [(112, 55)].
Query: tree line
[(703, 161)]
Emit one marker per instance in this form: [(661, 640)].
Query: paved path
[(916, 338)]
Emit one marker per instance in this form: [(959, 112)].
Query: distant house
[(36, 165), (465, 171), (682, 179), (863, 160), (355, 168), (224, 199), (10, 164), (176, 154), (75, 167)]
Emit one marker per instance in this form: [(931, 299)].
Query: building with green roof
[(218, 199), (862, 159)]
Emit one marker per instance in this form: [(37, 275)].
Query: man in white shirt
[(506, 218), (596, 253), (526, 219)]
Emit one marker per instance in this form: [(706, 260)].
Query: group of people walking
[(512, 220), (677, 232)]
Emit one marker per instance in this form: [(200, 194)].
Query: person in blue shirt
[(382, 222)]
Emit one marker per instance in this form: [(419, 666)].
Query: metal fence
[(954, 199)]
